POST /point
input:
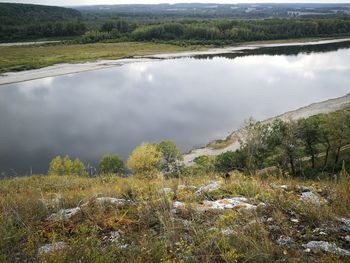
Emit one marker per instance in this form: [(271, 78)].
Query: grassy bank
[(170, 225), (19, 58)]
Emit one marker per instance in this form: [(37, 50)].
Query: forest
[(21, 22)]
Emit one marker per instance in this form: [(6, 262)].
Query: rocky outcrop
[(324, 246)]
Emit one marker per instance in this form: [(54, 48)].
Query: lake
[(190, 101)]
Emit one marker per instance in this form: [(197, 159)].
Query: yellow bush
[(144, 159)]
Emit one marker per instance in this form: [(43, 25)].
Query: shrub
[(171, 157), (229, 161), (66, 166), (111, 164), (144, 160)]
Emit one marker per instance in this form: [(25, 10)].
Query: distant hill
[(14, 14), (25, 21), (216, 11)]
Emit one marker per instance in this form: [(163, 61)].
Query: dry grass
[(150, 228)]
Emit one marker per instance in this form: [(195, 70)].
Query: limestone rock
[(111, 200), (64, 214), (207, 188), (227, 203), (326, 247), (50, 248)]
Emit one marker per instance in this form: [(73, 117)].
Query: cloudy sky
[(91, 2)]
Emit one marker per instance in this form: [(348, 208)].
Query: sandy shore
[(27, 43), (65, 69), (69, 68), (304, 112)]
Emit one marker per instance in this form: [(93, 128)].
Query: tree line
[(25, 21), (308, 147), (221, 31), (147, 161)]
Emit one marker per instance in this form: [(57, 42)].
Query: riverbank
[(48, 61), (232, 142), (24, 58)]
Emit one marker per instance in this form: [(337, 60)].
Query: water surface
[(188, 100)]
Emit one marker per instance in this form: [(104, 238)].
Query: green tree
[(326, 130), (56, 166), (78, 168), (111, 164), (229, 161), (67, 167), (340, 123), (284, 141), (309, 132), (255, 145), (171, 157), (144, 160)]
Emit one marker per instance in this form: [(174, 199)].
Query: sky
[(100, 2)]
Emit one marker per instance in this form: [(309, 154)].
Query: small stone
[(228, 232), (347, 238), (308, 250), (114, 237), (270, 219), (208, 188), (112, 200), (282, 187), (50, 248), (178, 205), (284, 241), (294, 220), (64, 214)]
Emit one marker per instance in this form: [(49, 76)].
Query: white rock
[(294, 220), (64, 214), (50, 248), (227, 203), (208, 188), (326, 247), (178, 205), (345, 221), (347, 238), (311, 197), (115, 237), (228, 232), (186, 187), (112, 200), (284, 241), (276, 186)]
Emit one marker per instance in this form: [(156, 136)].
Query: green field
[(19, 58)]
